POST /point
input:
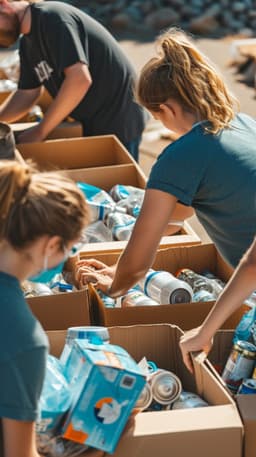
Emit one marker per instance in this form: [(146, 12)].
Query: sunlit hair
[(182, 73), (33, 204)]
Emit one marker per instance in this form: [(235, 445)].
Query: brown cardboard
[(60, 311), (64, 130), (73, 153), (213, 431), (246, 403), (187, 315)]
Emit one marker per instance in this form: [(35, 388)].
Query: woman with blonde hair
[(41, 218), (209, 169)]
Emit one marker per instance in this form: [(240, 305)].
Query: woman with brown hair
[(41, 218)]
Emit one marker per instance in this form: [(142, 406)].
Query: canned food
[(189, 400), (35, 114), (239, 365), (248, 386), (145, 399), (166, 388), (164, 288), (136, 297)]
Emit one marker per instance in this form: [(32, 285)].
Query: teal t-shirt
[(23, 355), (216, 175)]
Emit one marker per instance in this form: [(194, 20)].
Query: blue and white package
[(109, 382)]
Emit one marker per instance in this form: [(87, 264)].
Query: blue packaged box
[(105, 388)]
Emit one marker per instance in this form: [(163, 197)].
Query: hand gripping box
[(105, 383), (214, 431)]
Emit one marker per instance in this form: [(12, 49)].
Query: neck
[(22, 9), (13, 262)]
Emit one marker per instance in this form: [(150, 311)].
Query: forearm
[(18, 104), (240, 286), (71, 93)]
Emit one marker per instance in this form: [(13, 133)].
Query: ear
[(53, 245), (168, 109)]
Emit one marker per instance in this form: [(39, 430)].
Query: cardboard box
[(213, 431), (246, 403), (73, 153), (60, 311), (185, 315), (129, 174), (64, 130)]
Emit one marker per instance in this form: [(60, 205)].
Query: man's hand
[(96, 272), (192, 341), (30, 135)]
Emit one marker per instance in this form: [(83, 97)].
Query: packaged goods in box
[(128, 175), (185, 315), (212, 430), (223, 342)]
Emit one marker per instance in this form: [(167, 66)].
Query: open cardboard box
[(129, 174), (213, 431), (63, 310), (246, 403), (185, 315), (72, 153)]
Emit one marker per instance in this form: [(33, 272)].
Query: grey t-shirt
[(24, 348), (62, 35), (216, 174)]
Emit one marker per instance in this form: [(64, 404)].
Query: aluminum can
[(166, 388), (164, 288), (189, 400), (35, 114), (199, 282), (95, 334), (239, 365), (145, 399), (136, 297), (248, 386)]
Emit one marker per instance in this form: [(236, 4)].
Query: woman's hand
[(96, 272), (193, 341)]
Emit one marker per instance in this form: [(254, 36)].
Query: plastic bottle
[(165, 288), (121, 225), (55, 398), (120, 192), (98, 211), (95, 194), (245, 328), (98, 233), (132, 205)]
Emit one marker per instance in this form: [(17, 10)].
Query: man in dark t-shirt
[(80, 64)]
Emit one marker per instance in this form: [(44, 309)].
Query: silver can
[(189, 400), (145, 399), (135, 297), (239, 365), (163, 287), (166, 388)]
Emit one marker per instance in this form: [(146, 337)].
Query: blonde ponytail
[(181, 72)]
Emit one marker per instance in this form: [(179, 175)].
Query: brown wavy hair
[(182, 73), (33, 204)]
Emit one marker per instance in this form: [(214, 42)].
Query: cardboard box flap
[(56, 340), (60, 311), (206, 382), (175, 436), (78, 152), (221, 349), (107, 177)]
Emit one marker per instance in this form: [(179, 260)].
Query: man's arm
[(18, 104), (73, 89)]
